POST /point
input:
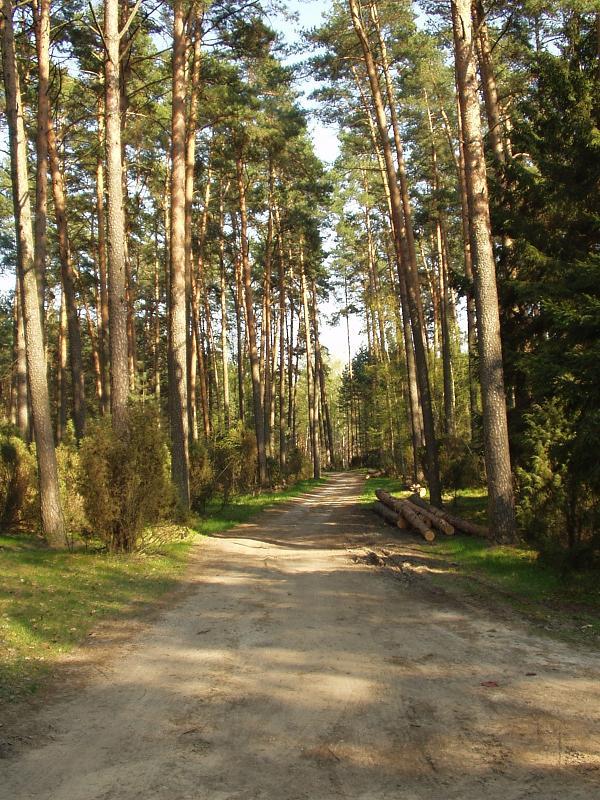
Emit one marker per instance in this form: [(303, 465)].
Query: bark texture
[(51, 512), (178, 320), (495, 427)]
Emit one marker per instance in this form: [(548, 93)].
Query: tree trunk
[(190, 166), (51, 512), (223, 298), (68, 283), (117, 285), (320, 370), (313, 414), (495, 427), (259, 421), (41, 15), (488, 81), (282, 331), (62, 389), (21, 392), (103, 330), (178, 322)]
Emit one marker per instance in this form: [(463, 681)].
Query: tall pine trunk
[(117, 268), (68, 285), (259, 421), (178, 318), (495, 427), (51, 512), (313, 409)]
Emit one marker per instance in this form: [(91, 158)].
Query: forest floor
[(310, 655)]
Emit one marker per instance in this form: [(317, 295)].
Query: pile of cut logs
[(421, 516)]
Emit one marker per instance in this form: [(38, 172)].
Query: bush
[(298, 464), (69, 478), (125, 478), (19, 501), (461, 467), (235, 462), (202, 477), (558, 504)]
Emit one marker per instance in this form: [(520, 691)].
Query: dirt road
[(294, 670)]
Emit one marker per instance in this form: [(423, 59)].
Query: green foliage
[(235, 462), (202, 477), (298, 464), (461, 466), (19, 503), (125, 478), (69, 474), (559, 503)]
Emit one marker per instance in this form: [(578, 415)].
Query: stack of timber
[(460, 524), (406, 512), (389, 515)]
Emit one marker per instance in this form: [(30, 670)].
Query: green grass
[(566, 601), (219, 518), (51, 600)]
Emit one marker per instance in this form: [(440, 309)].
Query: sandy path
[(289, 672)]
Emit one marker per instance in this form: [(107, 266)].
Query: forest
[(172, 247)]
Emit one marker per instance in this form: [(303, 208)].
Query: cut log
[(410, 514), (416, 521), (461, 524), (389, 515), (434, 519)]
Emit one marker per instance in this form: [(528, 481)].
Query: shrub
[(461, 466), (558, 505), (125, 478), (202, 477), (19, 501), (235, 462), (69, 478), (298, 465)]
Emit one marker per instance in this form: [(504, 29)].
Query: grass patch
[(51, 600), (219, 518), (568, 601), (391, 485)]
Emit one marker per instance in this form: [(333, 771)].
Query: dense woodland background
[(164, 216)]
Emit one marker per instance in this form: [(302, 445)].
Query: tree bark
[(488, 81), (223, 298), (51, 512), (21, 392), (259, 421), (68, 284), (178, 318), (41, 15), (282, 331), (117, 284), (495, 427), (320, 371), (103, 328), (313, 414)]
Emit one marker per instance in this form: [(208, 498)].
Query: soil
[(298, 665)]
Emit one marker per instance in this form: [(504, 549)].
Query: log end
[(429, 536)]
